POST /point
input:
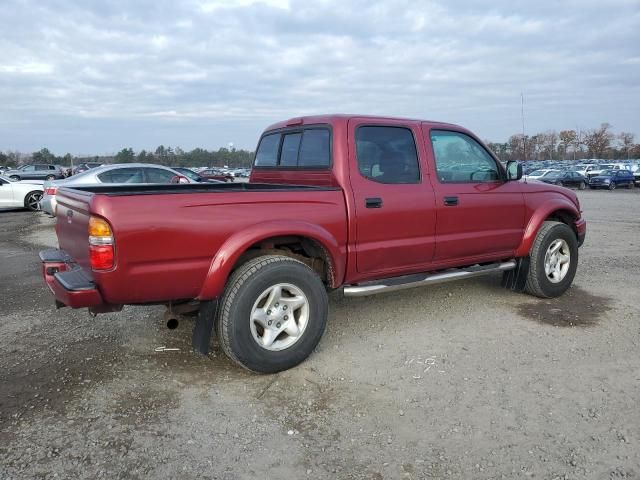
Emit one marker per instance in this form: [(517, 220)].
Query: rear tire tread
[(235, 282)]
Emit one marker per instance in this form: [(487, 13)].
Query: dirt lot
[(462, 380)]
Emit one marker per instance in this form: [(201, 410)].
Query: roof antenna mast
[(524, 139)]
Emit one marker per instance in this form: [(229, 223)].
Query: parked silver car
[(119, 173), (36, 171)]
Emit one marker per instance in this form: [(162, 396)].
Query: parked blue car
[(612, 179)]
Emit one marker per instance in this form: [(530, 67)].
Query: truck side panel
[(165, 244)]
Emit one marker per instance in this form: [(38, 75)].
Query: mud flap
[(516, 279), (203, 327)]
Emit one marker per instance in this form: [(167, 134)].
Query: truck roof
[(342, 117)]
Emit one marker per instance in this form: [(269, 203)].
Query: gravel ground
[(464, 380)]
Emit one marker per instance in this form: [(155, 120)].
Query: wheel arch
[(559, 211), (309, 243)]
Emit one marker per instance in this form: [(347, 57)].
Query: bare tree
[(626, 139), (550, 140), (568, 137), (517, 145), (598, 140)]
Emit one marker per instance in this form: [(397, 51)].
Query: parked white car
[(538, 174), (119, 173), (24, 194)]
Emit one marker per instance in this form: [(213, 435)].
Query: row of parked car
[(18, 189), (610, 176)]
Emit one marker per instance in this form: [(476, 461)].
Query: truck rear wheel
[(273, 314), (554, 260)]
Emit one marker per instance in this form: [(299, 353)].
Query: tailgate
[(72, 223)]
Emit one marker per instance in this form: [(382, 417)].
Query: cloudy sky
[(93, 77)]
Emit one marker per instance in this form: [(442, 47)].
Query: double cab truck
[(365, 204)]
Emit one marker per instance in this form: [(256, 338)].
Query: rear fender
[(541, 213), (231, 250)]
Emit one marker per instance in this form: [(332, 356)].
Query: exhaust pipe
[(173, 323), (172, 315)]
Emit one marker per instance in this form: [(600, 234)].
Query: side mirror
[(514, 170)]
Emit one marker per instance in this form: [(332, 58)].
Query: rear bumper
[(581, 230), (48, 204), (67, 281)]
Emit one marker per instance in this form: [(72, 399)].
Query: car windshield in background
[(607, 172), (553, 174), (188, 173), (537, 173)]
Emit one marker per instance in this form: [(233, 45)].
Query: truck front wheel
[(554, 260), (273, 314)]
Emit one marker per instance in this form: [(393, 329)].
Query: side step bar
[(421, 279)]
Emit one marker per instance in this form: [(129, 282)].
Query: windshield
[(537, 173), (188, 173), (553, 174), (607, 172)]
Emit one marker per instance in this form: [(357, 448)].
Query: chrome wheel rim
[(279, 317), (557, 261), (33, 202)]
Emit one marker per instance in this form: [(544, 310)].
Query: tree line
[(600, 143), (162, 155)]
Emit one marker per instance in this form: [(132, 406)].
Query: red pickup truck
[(366, 204)]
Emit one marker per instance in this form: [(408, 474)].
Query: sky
[(90, 77)]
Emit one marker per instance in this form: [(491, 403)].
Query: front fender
[(231, 250), (541, 213)]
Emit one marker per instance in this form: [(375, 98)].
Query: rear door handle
[(375, 202), (451, 201)]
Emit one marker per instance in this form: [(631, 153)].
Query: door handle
[(451, 201), (375, 202)]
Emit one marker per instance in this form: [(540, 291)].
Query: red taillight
[(100, 244), (51, 190), (101, 257)]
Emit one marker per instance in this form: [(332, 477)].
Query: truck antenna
[(524, 139)]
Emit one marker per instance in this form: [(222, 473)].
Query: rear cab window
[(306, 148)]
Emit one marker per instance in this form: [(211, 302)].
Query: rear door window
[(387, 154), (158, 175), (122, 175)]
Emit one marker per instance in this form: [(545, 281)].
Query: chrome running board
[(421, 279)]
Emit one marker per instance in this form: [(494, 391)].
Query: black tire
[(538, 284), (582, 186), (630, 186), (592, 188), (612, 186), (32, 200), (15, 177), (244, 288), (50, 177)]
